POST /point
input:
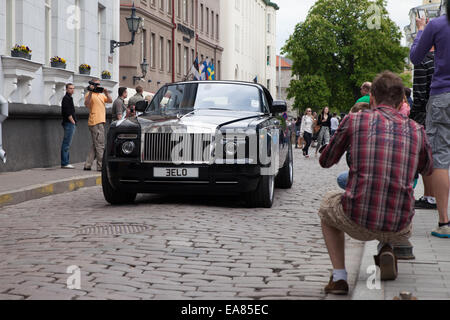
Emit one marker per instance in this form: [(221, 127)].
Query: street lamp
[(144, 69), (134, 23)]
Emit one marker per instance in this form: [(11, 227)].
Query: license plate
[(175, 172)]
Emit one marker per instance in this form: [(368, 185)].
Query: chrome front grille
[(185, 148)]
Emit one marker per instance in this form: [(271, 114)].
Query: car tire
[(285, 178), (112, 195), (263, 196)]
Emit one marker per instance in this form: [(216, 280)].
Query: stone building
[(174, 33), (79, 31), (284, 78), (432, 8), (248, 34)]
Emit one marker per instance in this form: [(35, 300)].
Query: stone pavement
[(189, 248), (427, 277), (17, 187)]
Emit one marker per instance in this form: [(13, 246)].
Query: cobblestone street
[(192, 247)]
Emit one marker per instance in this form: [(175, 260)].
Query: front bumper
[(138, 177)]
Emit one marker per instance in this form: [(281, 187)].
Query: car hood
[(209, 120)]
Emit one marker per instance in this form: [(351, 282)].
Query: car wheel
[(112, 195), (285, 178), (263, 196)]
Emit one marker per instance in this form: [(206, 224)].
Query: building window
[(212, 24), (179, 9), (217, 26), (185, 60), (185, 10), (207, 20), (219, 72), (161, 4), (269, 23), (268, 55), (144, 45), (202, 21), (179, 59), (161, 53), (152, 50), (48, 30), (169, 7), (193, 20), (268, 84), (169, 56)]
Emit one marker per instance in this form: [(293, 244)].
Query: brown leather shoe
[(339, 288), (387, 262)]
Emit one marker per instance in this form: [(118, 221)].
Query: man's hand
[(421, 23), (106, 92)]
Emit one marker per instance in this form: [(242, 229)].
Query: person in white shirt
[(334, 124), (306, 131)]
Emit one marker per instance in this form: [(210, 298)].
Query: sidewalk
[(21, 186), (427, 277)]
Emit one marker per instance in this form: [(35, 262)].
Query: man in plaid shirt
[(387, 150)]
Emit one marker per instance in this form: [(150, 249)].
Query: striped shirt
[(387, 150), (423, 75)]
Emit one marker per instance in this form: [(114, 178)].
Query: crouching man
[(387, 150)]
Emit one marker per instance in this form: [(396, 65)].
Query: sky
[(293, 11)]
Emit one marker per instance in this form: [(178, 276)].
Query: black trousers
[(308, 139)]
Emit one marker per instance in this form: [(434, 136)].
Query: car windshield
[(185, 98)]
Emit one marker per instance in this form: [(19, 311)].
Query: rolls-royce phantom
[(202, 137)]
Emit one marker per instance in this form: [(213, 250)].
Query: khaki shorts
[(332, 214)]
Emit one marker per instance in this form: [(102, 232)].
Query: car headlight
[(128, 147), (231, 148)]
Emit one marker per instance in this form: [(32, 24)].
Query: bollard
[(3, 116)]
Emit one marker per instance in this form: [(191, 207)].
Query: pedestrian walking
[(306, 131), (365, 92), (69, 124), (324, 122), (437, 34), (334, 124), (119, 108), (96, 102), (139, 96), (423, 76), (298, 125), (379, 202)]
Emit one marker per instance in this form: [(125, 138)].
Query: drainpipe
[(3, 116), (174, 26)]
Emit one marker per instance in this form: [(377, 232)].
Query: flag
[(204, 71), (195, 70), (211, 72)]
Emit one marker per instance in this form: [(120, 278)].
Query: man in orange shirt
[(96, 102)]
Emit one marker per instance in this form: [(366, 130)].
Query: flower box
[(85, 71), (58, 64), (106, 77), (20, 54)]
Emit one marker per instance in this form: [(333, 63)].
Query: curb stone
[(48, 189)]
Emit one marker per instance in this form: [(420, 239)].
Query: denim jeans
[(69, 131), (342, 180)]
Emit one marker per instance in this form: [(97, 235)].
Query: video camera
[(96, 89)]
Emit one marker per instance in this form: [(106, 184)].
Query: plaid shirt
[(387, 150)]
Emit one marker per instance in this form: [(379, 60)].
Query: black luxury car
[(203, 137)]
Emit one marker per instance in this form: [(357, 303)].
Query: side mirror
[(278, 106), (141, 106)]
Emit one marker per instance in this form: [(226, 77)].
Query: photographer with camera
[(96, 101)]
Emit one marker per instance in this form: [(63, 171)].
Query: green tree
[(315, 93), (337, 44)]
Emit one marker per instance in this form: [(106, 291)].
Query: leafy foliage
[(335, 44)]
